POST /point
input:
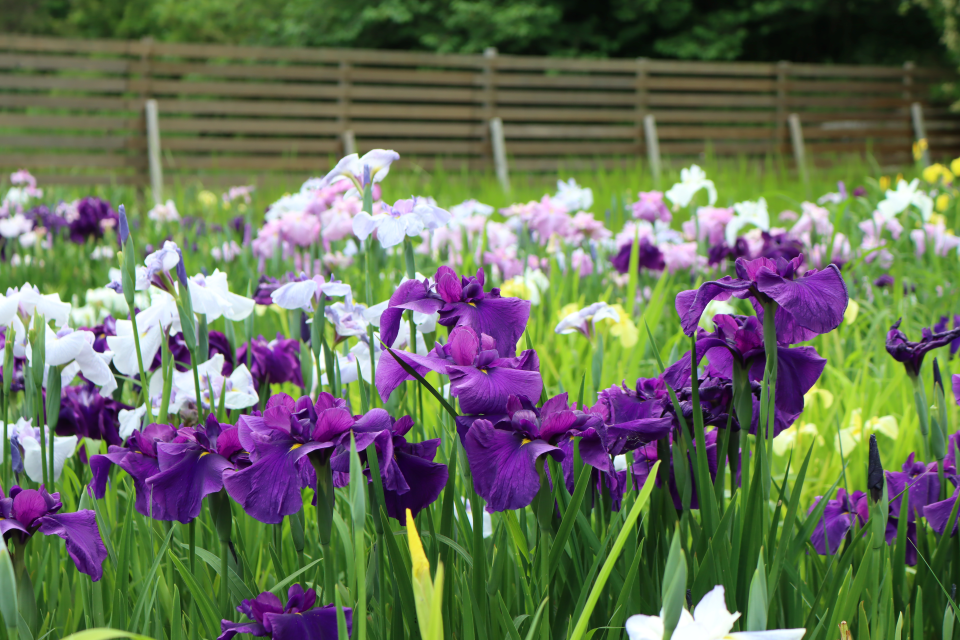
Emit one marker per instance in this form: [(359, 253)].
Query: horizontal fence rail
[(74, 110)]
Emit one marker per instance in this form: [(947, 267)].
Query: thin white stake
[(153, 149), (500, 153)]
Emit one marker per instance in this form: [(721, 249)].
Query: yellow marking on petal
[(295, 447), (525, 441), (205, 453), (472, 304)]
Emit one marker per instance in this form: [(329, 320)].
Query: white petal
[(63, 448), (295, 295), (32, 460), (711, 613), (130, 420), (642, 627), (64, 349), (390, 232), (364, 224), (774, 634), (96, 370)]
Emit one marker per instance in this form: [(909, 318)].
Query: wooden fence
[(73, 110)]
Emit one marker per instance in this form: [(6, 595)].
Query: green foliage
[(867, 31)]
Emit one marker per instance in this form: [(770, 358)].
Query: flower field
[(390, 403)]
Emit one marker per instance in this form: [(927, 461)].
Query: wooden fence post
[(153, 149), (489, 107), (146, 89), (653, 147), (920, 133), (799, 152), (500, 153), (783, 78), (641, 105), (349, 142), (347, 138)]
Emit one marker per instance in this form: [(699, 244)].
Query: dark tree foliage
[(839, 31)]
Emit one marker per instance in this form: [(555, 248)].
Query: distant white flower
[(410, 217), (692, 180), (747, 213), (26, 438), (237, 389), (585, 320), (470, 208), (211, 296), (572, 196), (710, 621), (102, 253), (351, 167), (348, 317), (164, 212), (303, 293), (906, 194), (15, 226), (163, 260)]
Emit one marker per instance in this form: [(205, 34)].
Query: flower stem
[(144, 387)]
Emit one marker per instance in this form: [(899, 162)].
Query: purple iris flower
[(480, 378), (504, 451), (279, 443), (43, 217), (101, 332), (459, 302), (646, 456), (739, 340), (274, 362), (87, 414), (93, 214), (886, 280), (299, 619), (809, 305), (920, 481), (28, 511), (837, 520), (937, 513), (411, 479), (265, 287), (139, 459), (716, 253), (650, 257), (941, 326), (217, 342), (839, 516), (780, 245), (191, 467), (911, 353)]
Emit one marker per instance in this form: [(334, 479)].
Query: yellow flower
[(849, 437), (936, 218), (919, 147), (825, 397), (794, 435), (565, 311), (517, 287), (937, 172), (427, 593), (207, 198), (943, 201), (625, 329), (884, 183), (955, 166), (853, 310)]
